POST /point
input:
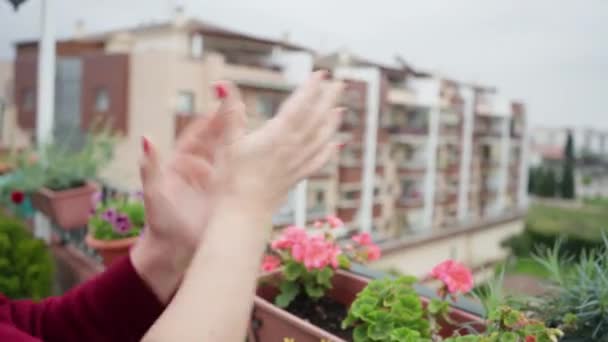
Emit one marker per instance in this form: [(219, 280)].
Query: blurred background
[(476, 130)]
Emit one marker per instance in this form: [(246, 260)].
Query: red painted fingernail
[(341, 145), (221, 91), (145, 145)]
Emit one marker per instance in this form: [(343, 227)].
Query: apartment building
[(446, 153), (154, 79), (423, 153)]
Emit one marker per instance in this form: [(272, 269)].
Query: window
[(351, 195), (102, 100), (28, 99), (196, 46), (319, 198), (185, 102), (265, 106)]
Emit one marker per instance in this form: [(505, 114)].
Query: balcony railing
[(405, 129)]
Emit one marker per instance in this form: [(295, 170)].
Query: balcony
[(254, 75), (400, 96), (287, 217)]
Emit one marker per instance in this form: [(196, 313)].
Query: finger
[(328, 100), (318, 161), (149, 166), (231, 109), (194, 171), (319, 115), (299, 102), (330, 125), (193, 139), (323, 136)]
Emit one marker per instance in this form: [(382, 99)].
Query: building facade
[(423, 153)]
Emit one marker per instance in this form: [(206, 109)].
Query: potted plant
[(308, 299), (68, 180), (577, 292), (310, 283), (115, 225), (17, 187)]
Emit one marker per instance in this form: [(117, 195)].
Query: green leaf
[(314, 291), (438, 307), (405, 335), (344, 262), (289, 291), (293, 270), (511, 318), (360, 334), (509, 337), (324, 276), (380, 329)]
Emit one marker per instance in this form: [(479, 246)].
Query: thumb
[(149, 166), (231, 110)]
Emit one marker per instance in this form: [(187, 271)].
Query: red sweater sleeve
[(114, 306)]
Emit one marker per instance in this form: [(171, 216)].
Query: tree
[(567, 181), (546, 182), (533, 180)]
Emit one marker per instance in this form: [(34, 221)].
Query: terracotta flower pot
[(110, 250), (271, 323), (69, 209)]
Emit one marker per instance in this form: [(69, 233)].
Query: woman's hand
[(259, 169), (177, 197), (251, 175)]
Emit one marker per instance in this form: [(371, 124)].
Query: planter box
[(69, 209), (110, 250), (271, 323)]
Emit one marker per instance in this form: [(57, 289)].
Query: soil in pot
[(325, 313)]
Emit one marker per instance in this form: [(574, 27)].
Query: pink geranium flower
[(456, 277), (315, 252), (270, 263), (318, 224), (364, 239), (373, 253), (290, 237), (334, 221)]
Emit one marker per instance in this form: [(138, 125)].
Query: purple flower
[(109, 215), (122, 224)]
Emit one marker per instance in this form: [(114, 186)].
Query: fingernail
[(341, 111), (221, 91), (145, 145), (341, 145)]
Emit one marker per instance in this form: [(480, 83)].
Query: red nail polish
[(341, 145), (145, 145), (221, 91)]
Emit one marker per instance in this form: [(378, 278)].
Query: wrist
[(159, 264)]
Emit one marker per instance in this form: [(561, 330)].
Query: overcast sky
[(551, 54)]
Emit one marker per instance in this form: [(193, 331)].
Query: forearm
[(214, 301), (114, 306)]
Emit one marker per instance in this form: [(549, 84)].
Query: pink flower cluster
[(372, 252), (314, 252), (331, 220), (456, 277)]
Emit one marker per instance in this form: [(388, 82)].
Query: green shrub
[(389, 310), (26, 266), (579, 298)]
